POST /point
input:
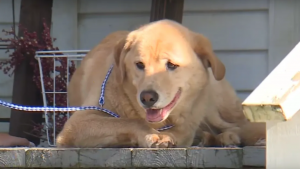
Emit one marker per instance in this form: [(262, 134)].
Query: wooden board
[(214, 158), (194, 157), (171, 158), (12, 157), (263, 113)]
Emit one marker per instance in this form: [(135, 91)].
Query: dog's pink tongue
[(154, 115)]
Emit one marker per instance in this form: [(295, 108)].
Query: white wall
[(239, 33)]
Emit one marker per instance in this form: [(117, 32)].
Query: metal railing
[(61, 61)]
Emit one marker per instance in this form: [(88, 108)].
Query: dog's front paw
[(159, 141), (229, 139)]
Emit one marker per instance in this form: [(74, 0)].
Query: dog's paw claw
[(159, 141), (229, 139)]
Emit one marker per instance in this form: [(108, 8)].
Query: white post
[(277, 101)]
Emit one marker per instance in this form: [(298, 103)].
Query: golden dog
[(164, 74)]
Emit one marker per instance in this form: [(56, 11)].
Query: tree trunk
[(167, 9), (25, 92)]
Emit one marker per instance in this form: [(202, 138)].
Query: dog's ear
[(203, 49), (120, 50)]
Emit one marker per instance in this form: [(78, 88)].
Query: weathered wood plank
[(254, 156), (52, 157), (155, 157), (133, 158), (12, 157), (105, 157), (214, 157), (263, 113)]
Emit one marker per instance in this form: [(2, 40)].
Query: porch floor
[(194, 157)]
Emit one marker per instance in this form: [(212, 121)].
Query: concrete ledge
[(132, 158)]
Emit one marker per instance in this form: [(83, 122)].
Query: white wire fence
[(56, 69)]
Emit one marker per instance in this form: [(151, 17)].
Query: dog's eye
[(140, 65), (171, 66)]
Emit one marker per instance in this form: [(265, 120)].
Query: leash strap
[(62, 109), (101, 100), (68, 109)]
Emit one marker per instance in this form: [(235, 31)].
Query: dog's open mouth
[(157, 115)]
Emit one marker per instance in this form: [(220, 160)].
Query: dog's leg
[(89, 129), (253, 134), (248, 134)]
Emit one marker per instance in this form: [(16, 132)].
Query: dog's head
[(167, 64)]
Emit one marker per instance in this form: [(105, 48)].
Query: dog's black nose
[(149, 98)]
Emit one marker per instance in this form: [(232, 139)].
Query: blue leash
[(65, 109)]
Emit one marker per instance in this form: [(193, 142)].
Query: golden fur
[(207, 106)]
